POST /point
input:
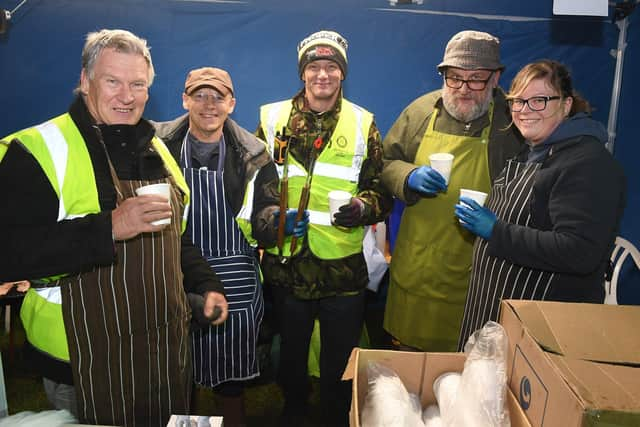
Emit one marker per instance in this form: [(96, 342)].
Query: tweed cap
[(216, 78), (323, 45), (472, 50)]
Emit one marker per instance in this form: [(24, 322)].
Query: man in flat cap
[(234, 188), (324, 275), (469, 119)]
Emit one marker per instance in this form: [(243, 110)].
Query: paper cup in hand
[(478, 196), (442, 162), (337, 198), (162, 189)]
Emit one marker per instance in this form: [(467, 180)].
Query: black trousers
[(341, 321)]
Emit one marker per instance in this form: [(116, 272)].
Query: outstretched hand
[(426, 180), (475, 218)]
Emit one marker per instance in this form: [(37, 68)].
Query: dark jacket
[(403, 140), (35, 245), (578, 199), (245, 154)]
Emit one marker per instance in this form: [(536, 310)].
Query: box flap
[(602, 386), (597, 332)]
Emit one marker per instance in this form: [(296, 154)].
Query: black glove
[(350, 215)]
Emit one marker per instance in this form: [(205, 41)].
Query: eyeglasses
[(473, 84), (535, 103), (202, 98)]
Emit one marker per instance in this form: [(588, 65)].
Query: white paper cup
[(337, 198), (442, 162), (478, 196), (162, 189)]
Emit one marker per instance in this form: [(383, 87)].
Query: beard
[(479, 108)]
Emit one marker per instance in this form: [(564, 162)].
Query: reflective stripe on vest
[(61, 152), (244, 215), (337, 168)]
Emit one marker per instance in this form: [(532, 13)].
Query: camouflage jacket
[(308, 276)]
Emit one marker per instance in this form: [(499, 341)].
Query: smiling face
[(118, 90), (208, 110), (465, 104), (536, 126), (322, 80)]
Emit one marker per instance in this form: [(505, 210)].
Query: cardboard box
[(574, 364), (417, 371)]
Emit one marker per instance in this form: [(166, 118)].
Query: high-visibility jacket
[(243, 218), (61, 152), (337, 168)]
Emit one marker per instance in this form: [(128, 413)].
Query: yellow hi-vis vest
[(337, 168), (59, 148)]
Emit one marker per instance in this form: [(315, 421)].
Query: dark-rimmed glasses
[(473, 84), (535, 103)]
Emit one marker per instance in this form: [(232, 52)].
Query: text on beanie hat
[(323, 45)]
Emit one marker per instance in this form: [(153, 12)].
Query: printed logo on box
[(531, 392)]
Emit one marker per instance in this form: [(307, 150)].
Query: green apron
[(432, 256)]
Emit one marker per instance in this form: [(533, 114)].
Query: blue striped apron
[(228, 351), (494, 279)]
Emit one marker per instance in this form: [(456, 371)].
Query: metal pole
[(617, 81)]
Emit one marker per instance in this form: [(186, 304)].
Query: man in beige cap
[(338, 144), (234, 186), (468, 118)]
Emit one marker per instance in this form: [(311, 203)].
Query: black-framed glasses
[(535, 103), (205, 98), (473, 84)]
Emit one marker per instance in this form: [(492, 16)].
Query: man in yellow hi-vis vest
[(108, 312), (331, 144)]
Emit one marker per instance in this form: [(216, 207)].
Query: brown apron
[(127, 327)]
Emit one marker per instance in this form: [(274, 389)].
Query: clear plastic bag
[(388, 403), (480, 398)]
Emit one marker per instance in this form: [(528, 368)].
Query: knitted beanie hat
[(323, 45)]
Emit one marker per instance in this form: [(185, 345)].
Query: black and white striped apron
[(494, 279), (127, 327), (228, 351)]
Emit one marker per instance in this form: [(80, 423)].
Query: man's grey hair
[(122, 41)]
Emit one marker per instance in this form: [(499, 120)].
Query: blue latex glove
[(427, 181), (350, 214), (475, 218), (290, 227)]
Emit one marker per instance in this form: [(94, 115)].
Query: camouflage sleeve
[(377, 198)]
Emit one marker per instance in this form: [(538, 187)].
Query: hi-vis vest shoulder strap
[(61, 152), (337, 168)]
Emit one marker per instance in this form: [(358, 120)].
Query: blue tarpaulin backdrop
[(393, 53)]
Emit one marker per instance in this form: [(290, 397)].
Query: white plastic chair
[(623, 248)]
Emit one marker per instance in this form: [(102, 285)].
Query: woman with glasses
[(551, 219)]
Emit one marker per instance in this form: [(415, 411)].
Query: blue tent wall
[(393, 52)]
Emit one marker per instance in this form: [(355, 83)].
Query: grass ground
[(263, 399)]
